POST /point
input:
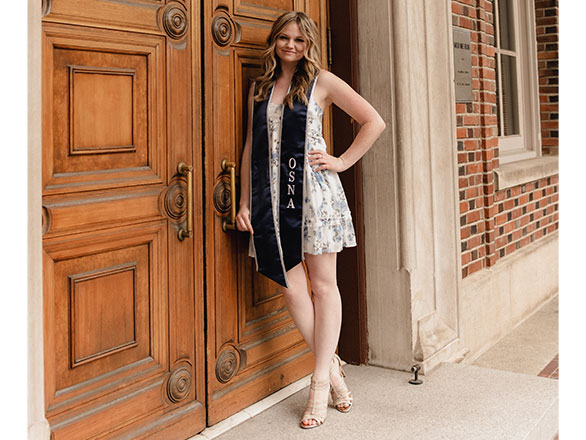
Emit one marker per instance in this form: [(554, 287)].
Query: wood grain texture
[(139, 15), (69, 52), (102, 111), (123, 298), (103, 312), (267, 9)]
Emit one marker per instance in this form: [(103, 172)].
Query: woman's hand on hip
[(325, 161), (243, 220)]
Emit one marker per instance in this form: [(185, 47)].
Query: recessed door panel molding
[(265, 347), (135, 15), (122, 289), (253, 33), (106, 113), (103, 109), (101, 416), (268, 9), (108, 302), (110, 298), (105, 121), (77, 213)]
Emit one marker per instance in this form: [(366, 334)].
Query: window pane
[(506, 23), (509, 106)]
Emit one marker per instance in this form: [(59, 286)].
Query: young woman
[(292, 201)]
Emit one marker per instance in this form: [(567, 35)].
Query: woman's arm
[(243, 216), (336, 91)]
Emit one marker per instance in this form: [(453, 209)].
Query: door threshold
[(251, 411)]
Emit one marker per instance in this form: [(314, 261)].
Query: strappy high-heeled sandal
[(341, 396), (316, 409)]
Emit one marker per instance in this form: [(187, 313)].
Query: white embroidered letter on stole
[(291, 188)]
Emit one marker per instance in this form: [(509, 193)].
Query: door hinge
[(329, 43)]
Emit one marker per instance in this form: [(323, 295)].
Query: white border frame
[(528, 88)]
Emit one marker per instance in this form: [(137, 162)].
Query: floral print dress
[(327, 221)]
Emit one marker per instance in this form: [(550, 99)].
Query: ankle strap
[(319, 384)]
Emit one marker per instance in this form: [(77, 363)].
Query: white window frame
[(526, 145)]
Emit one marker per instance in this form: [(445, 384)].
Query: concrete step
[(455, 401)]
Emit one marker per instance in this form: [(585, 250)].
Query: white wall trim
[(518, 173), (38, 426)]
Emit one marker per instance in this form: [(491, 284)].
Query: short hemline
[(327, 251)]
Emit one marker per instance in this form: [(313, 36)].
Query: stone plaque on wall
[(462, 66)]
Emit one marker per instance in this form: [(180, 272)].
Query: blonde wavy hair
[(307, 67)]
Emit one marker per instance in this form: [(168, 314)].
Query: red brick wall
[(525, 213), (496, 223), (547, 18)]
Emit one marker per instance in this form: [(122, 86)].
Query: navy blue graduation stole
[(278, 253)]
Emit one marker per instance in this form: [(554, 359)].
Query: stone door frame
[(410, 185)]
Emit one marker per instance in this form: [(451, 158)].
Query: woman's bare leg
[(299, 303), (319, 321), (328, 310), (328, 314)]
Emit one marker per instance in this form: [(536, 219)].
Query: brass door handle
[(187, 170), (231, 224)]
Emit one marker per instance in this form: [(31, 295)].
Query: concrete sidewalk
[(529, 347), (455, 401)]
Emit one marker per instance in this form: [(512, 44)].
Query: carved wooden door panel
[(253, 347), (123, 295)]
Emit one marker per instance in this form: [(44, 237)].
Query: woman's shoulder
[(323, 88), (328, 80), (325, 75)]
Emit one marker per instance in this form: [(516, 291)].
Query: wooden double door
[(156, 323)]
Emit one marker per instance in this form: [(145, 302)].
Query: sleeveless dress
[(327, 221)]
